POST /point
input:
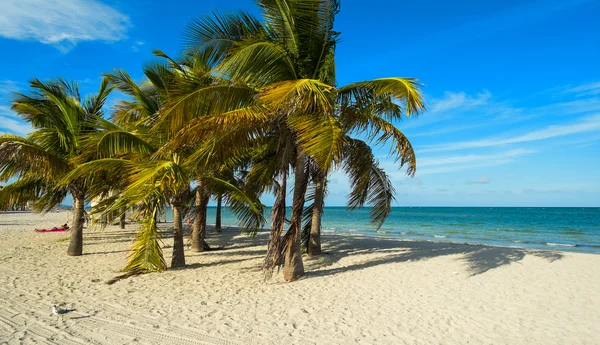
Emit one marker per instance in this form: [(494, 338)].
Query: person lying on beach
[(61, 228)]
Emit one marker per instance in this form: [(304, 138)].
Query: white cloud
[(460, 100), (481, 180), (62, 23), (136, 45), (12, 125), (589, 124), (7, 87), (439, 110), (439, 165), (590, 89), (5, 111), (462, 159), (448, 129)]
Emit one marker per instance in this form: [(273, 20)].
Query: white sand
[(367, 291)]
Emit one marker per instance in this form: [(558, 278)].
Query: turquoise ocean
[(575, 229)]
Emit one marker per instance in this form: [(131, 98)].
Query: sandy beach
[(364, 291)]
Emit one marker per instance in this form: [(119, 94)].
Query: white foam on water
[(560, 244)]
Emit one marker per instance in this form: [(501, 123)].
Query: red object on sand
[(50, 230)]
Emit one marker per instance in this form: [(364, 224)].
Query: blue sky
[(512, 87)]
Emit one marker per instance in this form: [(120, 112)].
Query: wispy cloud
[(62, 23), (481, 180), (136, 46), (591, 89), (458, 100), (7, 87), (444, 108), (462, 159), (444, 164), (12, 125), (585, 125)]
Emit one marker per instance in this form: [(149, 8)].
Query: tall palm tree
[(59, 117), (285, 89)]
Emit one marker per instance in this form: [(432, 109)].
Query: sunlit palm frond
[(146, 253), (236, 124), (321, 138), (302, 96), (366, 94)]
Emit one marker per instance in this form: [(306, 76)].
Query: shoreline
[(366, 290)]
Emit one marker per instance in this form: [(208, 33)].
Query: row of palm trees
[(250, 105)]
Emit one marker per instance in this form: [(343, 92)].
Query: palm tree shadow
[(479, 258)]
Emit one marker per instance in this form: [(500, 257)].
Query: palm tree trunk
[(218, 218), (199, 227), (293, 268), (278, 211), (76, 244), (178, 259), (122, 220), (314, 240)]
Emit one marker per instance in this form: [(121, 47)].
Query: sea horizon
[(560, 228)]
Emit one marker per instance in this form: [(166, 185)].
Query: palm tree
[(39, 161), (136, 148), (285, 90)]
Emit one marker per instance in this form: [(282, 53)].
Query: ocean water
[(575, 229)]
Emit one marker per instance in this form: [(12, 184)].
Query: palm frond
[(146, 252), (302, 96), (218, 32), (246, 206), (366, 94), (31, 189), (20, 156), (369, 183), (258, 64), (321, 138), (401, 150)]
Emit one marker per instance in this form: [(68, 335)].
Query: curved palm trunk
[(199, 227), (76, 244), (293, 267), (178, 259), (218, 218), (314, 240)]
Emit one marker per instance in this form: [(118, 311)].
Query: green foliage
[(146, 253), (60, 118)]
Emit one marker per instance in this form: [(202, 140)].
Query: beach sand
[(365, 291)]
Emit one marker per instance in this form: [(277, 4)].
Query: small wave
[(440, 236), (561, 244)]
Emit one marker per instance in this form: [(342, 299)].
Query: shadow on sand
[(479, 258)]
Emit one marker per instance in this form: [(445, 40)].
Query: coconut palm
[(135, 149), (285, 89), (59, 117)]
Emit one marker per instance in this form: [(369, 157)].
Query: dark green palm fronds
[(369, 183)]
